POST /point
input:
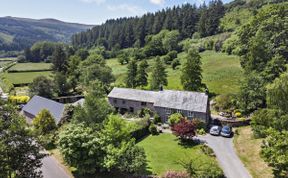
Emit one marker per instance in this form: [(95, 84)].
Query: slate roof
[(133, 94), (183, 100), (38, 103)]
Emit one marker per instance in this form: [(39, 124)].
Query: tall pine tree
[(131, 78), (191, 77), (142, 74), (159, 75)]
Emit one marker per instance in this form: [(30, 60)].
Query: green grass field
[(30, 67), (221, 72), (163, 153), (3, 63), (24, 77)]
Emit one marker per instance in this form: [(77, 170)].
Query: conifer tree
[(191, 77), (159, 75), (142, 74), (131, 78)]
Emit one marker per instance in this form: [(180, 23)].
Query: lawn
[(221, 72), (163, 153), (248, 149), (30, 67), (25, 77)]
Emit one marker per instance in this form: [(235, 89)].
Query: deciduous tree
[(159, 75)]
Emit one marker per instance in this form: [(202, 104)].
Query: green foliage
[(157, 119), (153, 129), (275, 152), (252, 94), (41, 86), (207, 150), (59, 60), (175, 118), (131, 78), (18, 99), (175, 63), (234, 19), (159, 75), (61, 85), (226, 102), (210, 18), (95, 110), (263, 38), (142, 76), (277, 93), (80, 148), (44, 122), (191, 77), (123, 58), (19, 155)]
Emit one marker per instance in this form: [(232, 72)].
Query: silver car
[(215, 130)]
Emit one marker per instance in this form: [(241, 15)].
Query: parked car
[(215, 130), (226, 131)]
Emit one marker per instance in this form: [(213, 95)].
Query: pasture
[(25, 77), (19, 67), (222, 73)]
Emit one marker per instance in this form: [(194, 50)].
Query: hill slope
[(19, 33)]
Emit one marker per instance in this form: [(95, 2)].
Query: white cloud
[(134, 10), (94, 1), (158, 2)]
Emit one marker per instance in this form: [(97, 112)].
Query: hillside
[(19, 33)]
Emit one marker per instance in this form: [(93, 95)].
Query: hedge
[(19, 99)]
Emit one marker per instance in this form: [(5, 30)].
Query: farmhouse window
[(115, 101), (168, 111), (143, 103), (123, 102), (190, 114), (179, 111)]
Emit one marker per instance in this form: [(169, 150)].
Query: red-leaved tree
[(185, 129)]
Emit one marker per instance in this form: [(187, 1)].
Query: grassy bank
[(25, 77), (248, 149)]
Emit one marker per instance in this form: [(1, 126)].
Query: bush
[(207, 150), (48, 141), (174, 118), (18, 99), (201, 132), (238, 114), (167, 59), (175, 174), (172, 54), (157, 119), (144, 112), (153, 129), (199, 123), (175, 63), (225, 103)]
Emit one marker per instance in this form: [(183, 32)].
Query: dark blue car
[(226, 131)]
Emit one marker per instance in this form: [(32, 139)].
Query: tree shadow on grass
[(189, 143)]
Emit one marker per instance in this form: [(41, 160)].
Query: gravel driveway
[(226, 156)]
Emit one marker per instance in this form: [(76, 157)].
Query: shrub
[(18, 99), (175, 174), (172, 54), (153, 129), (225, 102), (207, 150), (167, 59), (174, 118), (44, 122), (175, 63), (201, 132), (48, 141), (157, 119), (144, 112), (199, 123), (238, 114)]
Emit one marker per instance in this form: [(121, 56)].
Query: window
[(143, 103), (167, 111), (123, 102), (115, 101), (190, 114), (131, 109), (179, 111)]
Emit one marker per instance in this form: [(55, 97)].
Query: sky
[(85, 11)]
